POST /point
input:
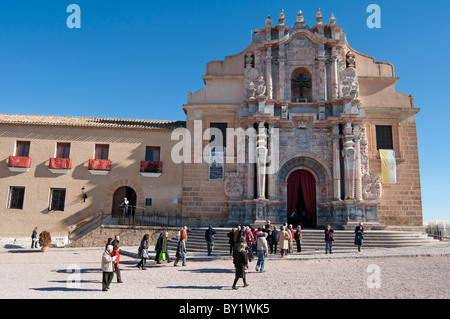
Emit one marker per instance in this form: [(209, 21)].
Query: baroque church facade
[(316, 116), (332, 109)]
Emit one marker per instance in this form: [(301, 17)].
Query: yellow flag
[(388, 167)]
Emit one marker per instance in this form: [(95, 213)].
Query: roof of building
[(94, 122)]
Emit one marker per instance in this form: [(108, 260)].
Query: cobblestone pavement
[(412, 272)]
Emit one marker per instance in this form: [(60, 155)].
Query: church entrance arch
[(315, 189), (118, 198), (301, 199)]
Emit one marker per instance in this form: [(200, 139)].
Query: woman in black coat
[(359, 235), (143, 252), (240, 261), (230, 235)]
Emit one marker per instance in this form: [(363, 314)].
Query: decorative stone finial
[(268, 21), (319, 16), (300, 16), (332, 19), (281, 19), (350, 59)]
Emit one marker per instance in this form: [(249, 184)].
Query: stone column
[(273, 164), (251, 162), (336, 163), (261, 153), (323, 76), (269, 73), (334, 75), (349, 161), (282, 77), (358, 175)]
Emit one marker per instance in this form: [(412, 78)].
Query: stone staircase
[(313, 240)]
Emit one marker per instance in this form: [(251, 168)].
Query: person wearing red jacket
[(116, 253)]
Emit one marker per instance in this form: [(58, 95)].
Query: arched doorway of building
[(301, 199), (119, 195)]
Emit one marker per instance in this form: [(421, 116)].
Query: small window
[(215, 140), (101, 151), (22, 148), (57, 199), (152, 153), (16, 195), (63, 150), (384, 137)]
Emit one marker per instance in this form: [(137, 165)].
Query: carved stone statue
[(251, 90), (261, 88)]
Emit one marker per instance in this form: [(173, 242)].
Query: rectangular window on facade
[(57, 199), (16, 195), (152, 153), (22, 148), (63, 150), (101, 151), (384, 137), (218, 128)]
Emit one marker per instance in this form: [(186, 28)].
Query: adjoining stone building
[(314, 113), (57, 172)]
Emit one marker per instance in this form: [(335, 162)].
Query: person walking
[(359, 235), (109, 242), (143, 252), (240, 261), (262, 250), (181, 251), (329, 239), (162, 253), (107, 267), (249, 238), (230, 236), (239, 234), (283, 240), (116, 254), (298, 236), (209, 237), (34, 238)]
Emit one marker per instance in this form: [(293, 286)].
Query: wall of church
[(400, 203)]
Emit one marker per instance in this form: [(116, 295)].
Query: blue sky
[(139, 59)]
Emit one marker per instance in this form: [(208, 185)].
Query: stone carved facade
[(321, 118)]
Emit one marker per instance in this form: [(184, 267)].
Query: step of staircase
[(313, 240)]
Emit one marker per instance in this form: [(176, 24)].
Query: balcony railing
[(19, 163), (151, 168), (99, 166), (59, 165), (144, 216)]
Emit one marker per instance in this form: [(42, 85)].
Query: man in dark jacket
[(273, 240), (209, 236)]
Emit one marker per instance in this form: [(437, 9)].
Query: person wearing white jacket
[(262, 251), (107, 267)]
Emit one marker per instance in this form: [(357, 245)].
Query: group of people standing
[(282, 238), (162, 253)]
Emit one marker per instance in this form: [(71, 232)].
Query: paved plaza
[(413, 272)]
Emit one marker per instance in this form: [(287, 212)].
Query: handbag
[(162, 256)]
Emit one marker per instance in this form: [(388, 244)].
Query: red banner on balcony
[(149, 166), (19, 161), (99, 164), (60, 163)]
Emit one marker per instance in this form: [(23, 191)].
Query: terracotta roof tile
[(98, 122)]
